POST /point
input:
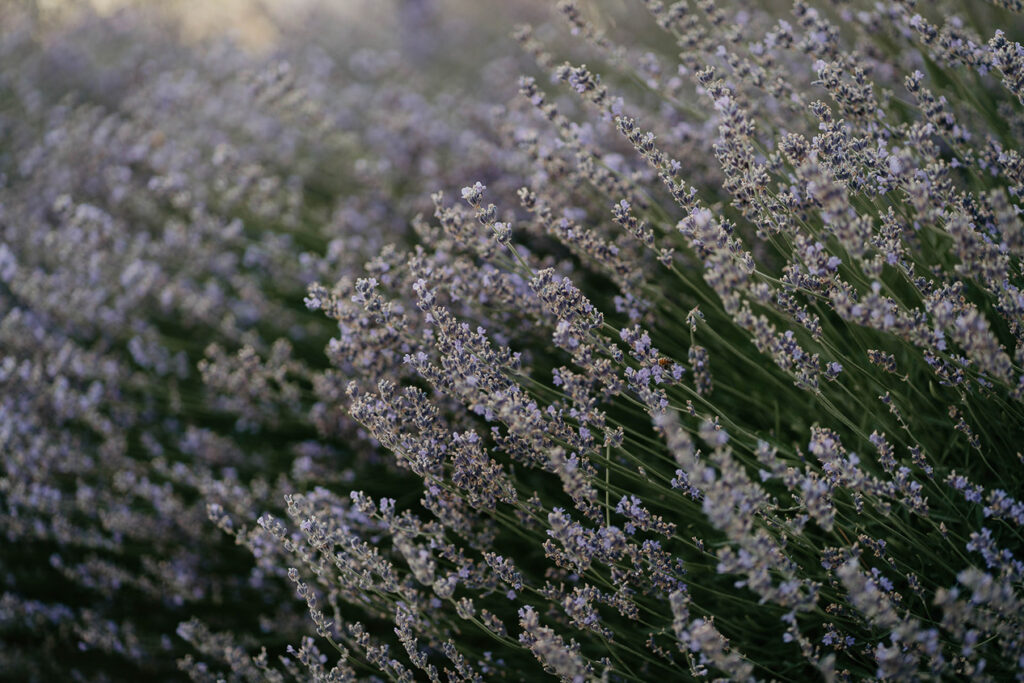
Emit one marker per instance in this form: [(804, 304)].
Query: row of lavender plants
[(163, 207), (705, 359)]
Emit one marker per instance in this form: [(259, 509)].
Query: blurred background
[(262, 24)]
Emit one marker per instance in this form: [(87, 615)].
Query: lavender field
[(617, 340)]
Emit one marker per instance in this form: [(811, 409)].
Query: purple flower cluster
[(714, 366)]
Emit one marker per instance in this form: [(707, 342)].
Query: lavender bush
[(680, 340)]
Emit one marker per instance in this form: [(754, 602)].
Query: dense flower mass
[(641, 340)]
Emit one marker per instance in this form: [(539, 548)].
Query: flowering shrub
[(713, 367)]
